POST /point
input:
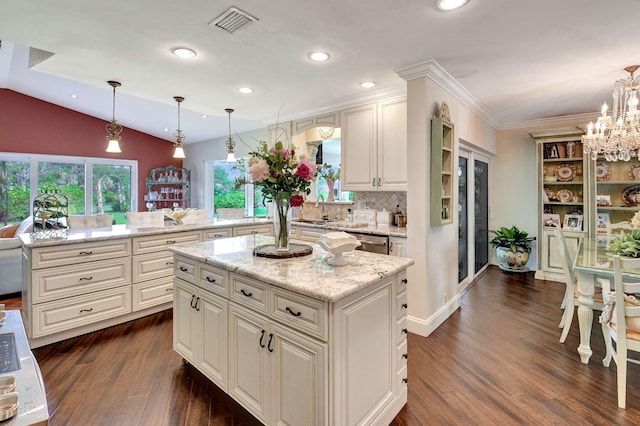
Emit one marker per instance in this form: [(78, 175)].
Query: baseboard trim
[(426, 327)]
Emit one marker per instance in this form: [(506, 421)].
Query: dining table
[(593, 266)]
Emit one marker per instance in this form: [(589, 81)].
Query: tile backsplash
[(373, 200)]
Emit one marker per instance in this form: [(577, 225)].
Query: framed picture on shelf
[(603, 200), (573, 222), (602, 223), (551, 151), (551, 220)]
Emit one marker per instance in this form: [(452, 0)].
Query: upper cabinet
[(374, 147)]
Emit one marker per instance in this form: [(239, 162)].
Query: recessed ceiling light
[(245, 90), (367, 84), (74, 96), (166, 129), (184, 53), (204, 116), (447, 5), (319, 56)]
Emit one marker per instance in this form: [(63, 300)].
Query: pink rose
[(306, 170), (259, 171)]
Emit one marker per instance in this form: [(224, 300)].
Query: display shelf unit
[(617, 190), (563, 189), (168, 187), (441, 171)]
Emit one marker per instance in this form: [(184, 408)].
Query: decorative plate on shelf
[(631, 196), (565, 172), (634, 172), (603, 171), (564, 195)]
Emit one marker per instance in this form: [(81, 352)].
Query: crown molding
[(431, 69), (564, 120)]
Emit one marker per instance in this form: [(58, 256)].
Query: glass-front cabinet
[(617, 191), (168, 187)]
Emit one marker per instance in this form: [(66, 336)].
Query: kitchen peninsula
[(295, 341), (97, 278)]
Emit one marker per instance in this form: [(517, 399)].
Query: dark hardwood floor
[(497, 360)]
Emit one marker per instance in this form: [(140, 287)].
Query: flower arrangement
[(628, 243), (326, 171), (284, 180)]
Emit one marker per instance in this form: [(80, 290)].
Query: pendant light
[(179, 147), (230, 143), (113, 128)]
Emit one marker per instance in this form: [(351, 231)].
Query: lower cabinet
[(398, 246), (200, 330), (308, 233), (551, 266), (275, 373)]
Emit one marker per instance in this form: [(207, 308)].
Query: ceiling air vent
[(232, 19)]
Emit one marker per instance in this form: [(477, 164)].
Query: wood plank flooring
[(497, 360)]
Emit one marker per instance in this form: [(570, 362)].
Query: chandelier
[(617, 136), (230, 143), (179, 147), (113, 129)]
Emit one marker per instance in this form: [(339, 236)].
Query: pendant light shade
[(178, 151), (113, 128), (230, 143)]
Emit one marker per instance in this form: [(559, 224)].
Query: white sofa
[(11, 260)]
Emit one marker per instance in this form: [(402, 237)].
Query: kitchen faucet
[(321, 197)]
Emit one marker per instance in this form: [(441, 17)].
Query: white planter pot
[(510, 261)]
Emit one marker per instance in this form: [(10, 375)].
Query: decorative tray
[(603, 171), (565, 172)]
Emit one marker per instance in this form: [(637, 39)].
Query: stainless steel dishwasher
[(372, 243)]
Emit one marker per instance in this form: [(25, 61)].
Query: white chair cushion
[(146, 219), (89, 221), (195, 216)]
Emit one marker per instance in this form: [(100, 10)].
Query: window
[(92, 185), (221, 177)]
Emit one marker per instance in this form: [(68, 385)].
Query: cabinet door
[(186, 328), (359, 158), (392, 145), (212, 314), (398, 247), (248, 361), (301, 361)]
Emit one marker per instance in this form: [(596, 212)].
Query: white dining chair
[(146, 219), (624, 326), (230, 213), (196, 216), (571, 288), (81, 221)]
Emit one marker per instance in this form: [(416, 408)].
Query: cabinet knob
[(404, 305), (405, 380), (404, 281), (405, 356), (405, 331)]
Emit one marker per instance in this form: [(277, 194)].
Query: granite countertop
[(360, 228), (309, 275), (126, 231)]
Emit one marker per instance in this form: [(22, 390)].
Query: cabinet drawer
[(212, 234), (401, 329), (185, 269), (248, 292), (403, 283), (254, 229), (71, 254), (155, 243), (402, 354), (152, 293), (62, 315), (309, 234), (66, 281), (401, 303), (300, 312), (153, 265), (213, 279)]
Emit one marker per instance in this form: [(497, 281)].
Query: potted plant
[(512, 248)]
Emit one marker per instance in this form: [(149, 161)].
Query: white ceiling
[(522, 60)]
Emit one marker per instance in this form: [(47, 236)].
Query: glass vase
[(281, 222)]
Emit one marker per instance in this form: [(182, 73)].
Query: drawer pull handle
[(211, 280), (373, 182), (183, 269), (262, 337), (254, 232), (86, 253), (197, 301), (167, 290), (171, 241), (405, 380), (295, 314), (193, 297), (217, 235), (379, 181), (169, 263), (404, 305), (245, 293), (269, 344), (85, 278), (405, 331), (86, 310), (404, 281), (405, 356)]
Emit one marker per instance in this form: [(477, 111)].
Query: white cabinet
[(214, 234), (310, 234), (266, 229), (200, 330), (374, 147), (398, 246)]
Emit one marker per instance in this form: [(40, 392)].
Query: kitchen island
[(100, 277), (295, 341)]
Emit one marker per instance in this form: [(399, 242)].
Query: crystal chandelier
[(113, 129), (179, 147), (230, 143), (617, 136)]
